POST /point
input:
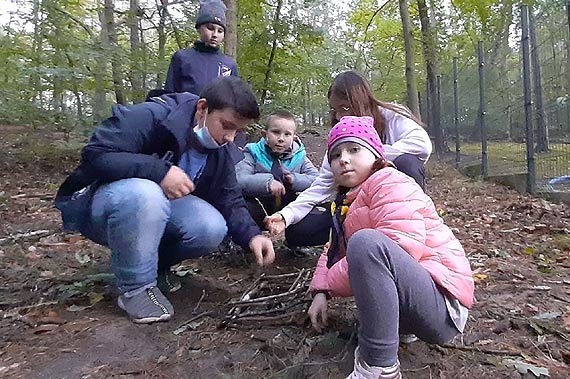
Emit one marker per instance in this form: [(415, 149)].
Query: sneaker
[(168, 281), (304, 251), (407, 339), (363, 371), (147, 306)]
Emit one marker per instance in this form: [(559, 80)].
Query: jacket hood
[(181, 108)]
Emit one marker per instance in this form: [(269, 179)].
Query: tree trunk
[(568, 51), (57, 81), (162, 12), (411, 88), (113, 45), (276, 18), (135, 70), (541, 121), (100, 71), (36, 43), (230, 44), (432, 68)]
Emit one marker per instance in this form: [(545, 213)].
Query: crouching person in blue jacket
[(156, 185)]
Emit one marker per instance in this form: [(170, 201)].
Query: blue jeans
[(145, 230)]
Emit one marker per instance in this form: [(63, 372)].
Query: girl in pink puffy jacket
[(391, 251)]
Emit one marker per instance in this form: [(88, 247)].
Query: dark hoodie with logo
[(192, 69), (144, 141)]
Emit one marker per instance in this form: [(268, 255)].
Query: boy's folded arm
[(307, 175), (255, 184), (252, 183)]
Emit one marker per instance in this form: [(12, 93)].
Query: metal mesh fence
[(505, 135)]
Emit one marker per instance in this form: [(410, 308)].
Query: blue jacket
[(144, 141), (192, 69)]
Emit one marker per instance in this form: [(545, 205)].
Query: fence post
[(542, 143), (438, 100), (531, 171), (456, 113), (483, 111)]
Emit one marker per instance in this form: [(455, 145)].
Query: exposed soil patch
[(59, 319)]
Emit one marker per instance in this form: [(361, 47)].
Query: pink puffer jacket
[(394, 204)]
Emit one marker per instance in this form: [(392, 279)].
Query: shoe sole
[(145, 320)]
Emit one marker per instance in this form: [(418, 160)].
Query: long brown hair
[(355, 89)]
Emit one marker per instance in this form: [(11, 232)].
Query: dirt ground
[(58, 317)]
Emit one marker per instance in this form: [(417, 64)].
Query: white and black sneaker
[(146, 307)]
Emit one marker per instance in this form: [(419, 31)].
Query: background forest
[(66, 61)]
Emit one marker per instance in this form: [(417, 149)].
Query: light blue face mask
[(205, 137)]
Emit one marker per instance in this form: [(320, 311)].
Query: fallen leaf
[(161, 359), (479, 277), (46, 274), (94, 298), (524, 368), (45, 328), (529, 250), (82, 258), (566, 322), (78, 308), (565, 356)]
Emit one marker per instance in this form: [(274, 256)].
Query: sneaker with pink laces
[(363, 371)]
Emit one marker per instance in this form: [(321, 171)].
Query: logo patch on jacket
[(224, 70)]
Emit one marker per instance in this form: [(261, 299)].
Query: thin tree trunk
[(162, 12), (135, 70), (541, 121), (411, 87), (276, 18), (100, 71), (230, 44), (432, 68), (36, 43), (113, 45)]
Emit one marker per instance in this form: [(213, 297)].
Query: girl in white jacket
[(307, 220)]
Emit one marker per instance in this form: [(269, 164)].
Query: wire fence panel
[(504, 120)]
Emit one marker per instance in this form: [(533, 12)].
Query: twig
[(268, 318), (16, 311), (269, 312), (265, 298), (199, 301), (186, 324), (15, 237), (42, 196), (481, 350), (339, 358)]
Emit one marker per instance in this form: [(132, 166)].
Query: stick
[(481, 350), (15, 237), (269, 312), (265, 298), (199, 301), (186, 324)]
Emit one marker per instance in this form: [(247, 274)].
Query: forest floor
[(58, 317)]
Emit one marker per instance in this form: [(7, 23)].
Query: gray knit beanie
[(213, 11)]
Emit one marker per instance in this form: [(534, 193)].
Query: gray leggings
[(394, 295)]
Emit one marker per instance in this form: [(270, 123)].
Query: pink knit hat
[(359, 130)]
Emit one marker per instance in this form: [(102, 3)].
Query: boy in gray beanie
[(193, 68)]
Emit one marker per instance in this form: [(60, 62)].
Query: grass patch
[(561, 241), (510, 157)]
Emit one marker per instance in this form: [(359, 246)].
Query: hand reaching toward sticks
[(262, 248), (318, 312)]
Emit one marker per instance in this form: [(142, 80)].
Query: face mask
[(205, 137)]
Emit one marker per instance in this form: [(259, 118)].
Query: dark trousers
[(412, 166), (394, 295)]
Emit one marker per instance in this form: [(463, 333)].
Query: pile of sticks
[(272, 298)]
